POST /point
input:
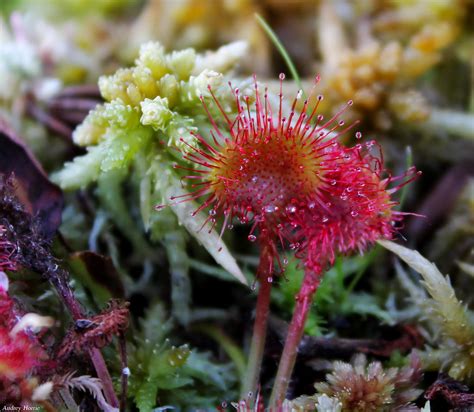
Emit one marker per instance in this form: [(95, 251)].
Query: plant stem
[(104, 376), (293, 338), (257, 345), (59, 278)]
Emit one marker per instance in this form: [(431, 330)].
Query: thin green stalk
[(279, 46)]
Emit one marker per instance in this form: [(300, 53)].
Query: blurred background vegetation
[(408, 67)]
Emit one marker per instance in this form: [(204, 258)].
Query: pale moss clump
[(161, 91), (450, 324), (156, 100), (364, 387), (370, 75), (400, 42)]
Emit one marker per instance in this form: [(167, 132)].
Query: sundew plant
[(202, 209)]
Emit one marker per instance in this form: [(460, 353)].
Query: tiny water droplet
[(212, 212), (350, 102), (282, 76), (252, 238), (354, 213), (325, 219), (285, 261), (270, 279), (358, 135), (270, 208), (294, 246), (333, 182)]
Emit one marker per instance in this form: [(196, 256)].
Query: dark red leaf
[(37, 194)]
